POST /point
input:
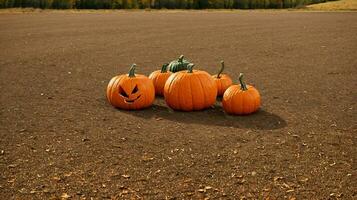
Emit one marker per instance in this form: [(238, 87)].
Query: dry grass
[(335, 5)]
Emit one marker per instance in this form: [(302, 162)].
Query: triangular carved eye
[(122, 92), (135, 90)]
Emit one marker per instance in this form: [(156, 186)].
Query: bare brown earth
[(59, 137)]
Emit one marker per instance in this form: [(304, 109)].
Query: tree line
[(156, 4)]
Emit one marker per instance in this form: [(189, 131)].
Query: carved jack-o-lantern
[(131, 91)]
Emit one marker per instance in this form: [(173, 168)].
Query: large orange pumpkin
[(190, 90), (131, 91), (241, 99), (223, 81), (159, 78)]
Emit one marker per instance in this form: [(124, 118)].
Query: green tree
[(117, 4)]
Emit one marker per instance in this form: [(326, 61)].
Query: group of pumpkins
[(183, 88)]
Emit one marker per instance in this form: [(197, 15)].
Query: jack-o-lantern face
[(130, 97), (131, 91)]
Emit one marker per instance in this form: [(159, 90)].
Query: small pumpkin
[(131, 91), (223, 81), (178, 65), (241, 99), (190, 90), (159, 78)]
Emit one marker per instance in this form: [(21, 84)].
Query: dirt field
[(59, 137)]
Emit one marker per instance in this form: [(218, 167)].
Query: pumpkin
[(178, 65), (190, 90), (131, 91), (223, 81), (241, 99), (159, 78)]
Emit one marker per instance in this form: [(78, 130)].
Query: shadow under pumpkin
[(214, 116)]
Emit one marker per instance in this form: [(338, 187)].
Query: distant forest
[(156, 4)]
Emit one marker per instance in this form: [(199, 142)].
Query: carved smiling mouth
[(132, 101)]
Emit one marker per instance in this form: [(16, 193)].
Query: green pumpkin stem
[(190, 67), (243, 86), (132, 71), (221, 70), (181, 58), (164, 68)]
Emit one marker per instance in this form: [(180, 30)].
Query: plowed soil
[(60, 138)]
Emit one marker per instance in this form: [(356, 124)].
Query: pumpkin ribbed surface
[(223, 81), (159, 78), (187, 91), (241, 99)]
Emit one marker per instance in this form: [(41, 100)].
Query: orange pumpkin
[(159, 78), (223, 81), (190, 90), (241, 99), (131, 91)]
